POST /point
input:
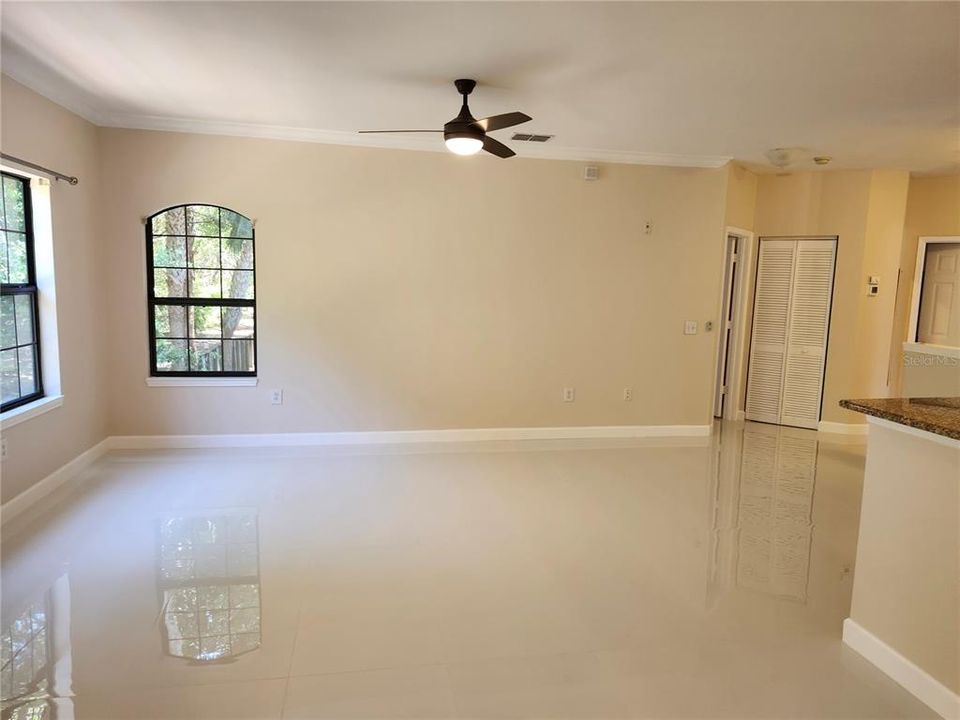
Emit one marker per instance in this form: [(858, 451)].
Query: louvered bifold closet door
[(807, 333), (771, 313)]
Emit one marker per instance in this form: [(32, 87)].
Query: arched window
[(201, 292)]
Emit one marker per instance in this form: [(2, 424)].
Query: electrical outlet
[(276, 397), (569, 394), (3, 449), (627, 394)]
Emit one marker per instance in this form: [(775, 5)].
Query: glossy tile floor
[(576, 580)]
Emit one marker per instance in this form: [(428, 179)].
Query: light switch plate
[(690, 327)]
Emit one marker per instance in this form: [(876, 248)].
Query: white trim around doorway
[(923, 242), (733, 407)]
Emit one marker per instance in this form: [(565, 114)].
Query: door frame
[(833, 293), (736, 360), (922, 243)]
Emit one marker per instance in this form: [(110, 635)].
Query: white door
[(771, 312), (939, 319), (790, 327), (807, 333)]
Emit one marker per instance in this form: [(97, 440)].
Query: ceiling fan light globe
[(464, 145)]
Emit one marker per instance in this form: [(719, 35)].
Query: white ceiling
[(872, 84)]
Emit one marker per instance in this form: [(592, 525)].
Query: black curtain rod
[(40, 168)]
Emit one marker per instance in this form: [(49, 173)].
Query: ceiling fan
[(465, 135)]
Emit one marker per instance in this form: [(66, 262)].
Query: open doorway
[(727, 382)]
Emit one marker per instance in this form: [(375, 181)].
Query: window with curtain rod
[(72, 179)]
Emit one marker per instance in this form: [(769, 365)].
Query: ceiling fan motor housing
[(464, 125), (455, 129)]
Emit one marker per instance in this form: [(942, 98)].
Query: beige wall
[(864, 209), (905, 586), (881, 257), (741, 197), (933, 208), (35, 129), (405, 290)]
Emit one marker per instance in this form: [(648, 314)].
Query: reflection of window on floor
[(209, 580), (35, 675), (26, 673)]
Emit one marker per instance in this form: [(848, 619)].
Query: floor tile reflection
[(667, 578)]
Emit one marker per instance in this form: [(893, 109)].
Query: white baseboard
[(59, 477), (149, 442), (914, 679), (843, 428), (75, 467)]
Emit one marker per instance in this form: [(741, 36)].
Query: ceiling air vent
[(526, 137)]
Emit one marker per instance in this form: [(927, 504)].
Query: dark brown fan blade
[(497, 148), (498, 122), (395, 131)]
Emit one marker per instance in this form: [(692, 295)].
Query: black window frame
[(153, 300), (27, 288)]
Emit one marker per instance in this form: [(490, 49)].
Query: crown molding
[(424, 142), (63, 94), (20, 67)]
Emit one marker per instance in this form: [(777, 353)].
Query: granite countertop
[(937, 415)]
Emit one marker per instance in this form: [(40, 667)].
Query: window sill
[(202, 382), (928, 349), (30, 410)]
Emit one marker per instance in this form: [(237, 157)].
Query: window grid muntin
[(27, 288), (155, 300)]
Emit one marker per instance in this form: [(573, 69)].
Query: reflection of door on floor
[(762, 514), (791, 319), (777, 476)]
